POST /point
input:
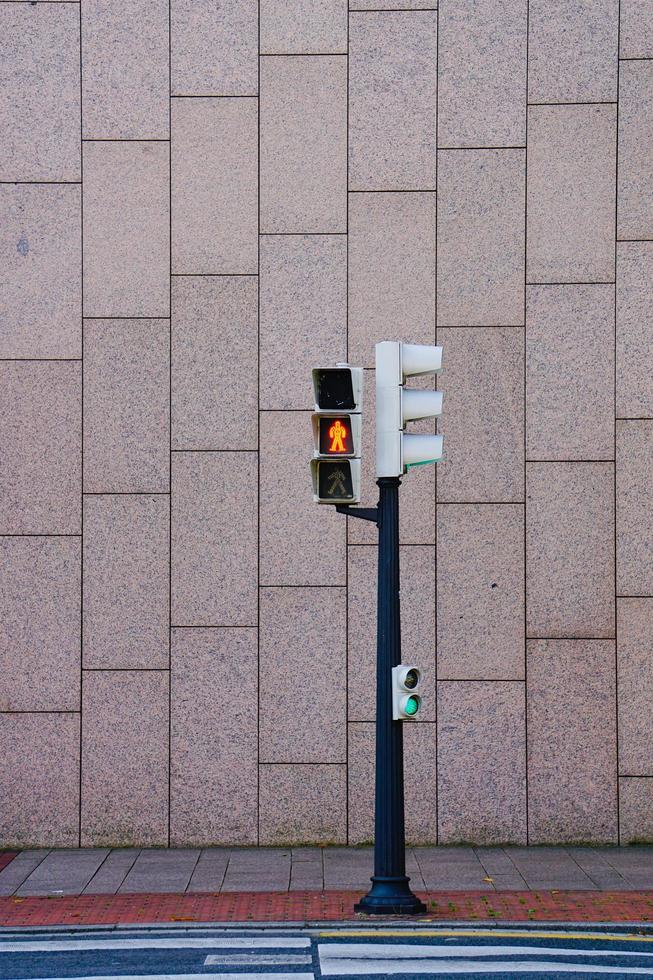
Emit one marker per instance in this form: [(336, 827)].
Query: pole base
[(390, 896)]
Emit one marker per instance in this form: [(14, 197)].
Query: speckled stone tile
[(40, 789), (124, 758), (391, 271), (214, 47), (303, 291), (214, 186), (41, 435), (481, 237), (635, 177), (40, 293), (392, 130), (635, 811), (417, 495), (303, 27), (39, 54), (635, 685), (302, 803), (480, 609), (484, 802), (634, 507), (126, 581), (214, 535), (572, 761), (303, 144), (482, 73), (302, 543), (126, 406), (634, 329), (40, 600), (572, 51), (213, 791), (418, 626), (126, 229), (125, 77), (570, 549), (392, 4), (420, 785), (636, 29), (567, 413), (571, 193), (483, 385), (214, 345), (292, 622)]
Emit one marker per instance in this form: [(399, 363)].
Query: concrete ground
[(105, 871)]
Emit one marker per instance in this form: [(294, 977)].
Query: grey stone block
[(634, 329), (634, 507), (303, 27), (214, 47), (635, 176)]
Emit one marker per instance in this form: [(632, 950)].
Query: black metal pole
[(390, 893)]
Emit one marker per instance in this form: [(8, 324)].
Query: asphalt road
[(303, 954)]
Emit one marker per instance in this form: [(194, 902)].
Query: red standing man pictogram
[(337, 433)]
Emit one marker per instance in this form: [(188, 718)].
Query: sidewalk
[(119, 886)]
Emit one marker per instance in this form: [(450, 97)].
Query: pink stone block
[(40, 601), (635, 175), (303, 667), (214, 47), (302, 803), (40, 238), (635, 811), (303, 27), (214, 539), (567, 414), (303, 285), (126, 406), (213, 763), (635, 685), (126, 581), (634, 507), (391, 271), (124, 758), (39, 55), (420, 787), (483, 385), (572, 764), (482, 73), (392, 138), (303, 144), (302, 543), (40, 789), (570, 549), (40, 434), (481, 237), (418, 626), (214, 186), (481, 762), (126, 228), (125, 81), (480, 608), (636, 29), (634, 329)]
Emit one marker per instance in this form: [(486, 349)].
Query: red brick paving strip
[(6, 857), (540, 906)]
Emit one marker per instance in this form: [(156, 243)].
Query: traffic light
[(397, 450), (406, 702), (336, 463)]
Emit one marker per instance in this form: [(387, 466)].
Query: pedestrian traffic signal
[(336, 422), (397, 450), (406, 702)]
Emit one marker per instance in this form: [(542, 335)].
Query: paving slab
[(63, 872), (22, 866), (112, 872), (161, 871), (210, 869)]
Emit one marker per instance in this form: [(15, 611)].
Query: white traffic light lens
[(411, 679), (411, 705)]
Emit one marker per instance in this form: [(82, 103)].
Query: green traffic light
[(411, 706)]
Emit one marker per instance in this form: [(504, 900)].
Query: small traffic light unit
[(406, 701), (336, 463)]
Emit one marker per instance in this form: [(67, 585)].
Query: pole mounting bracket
[(364, 513)]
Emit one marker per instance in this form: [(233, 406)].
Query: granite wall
[(199, 201)]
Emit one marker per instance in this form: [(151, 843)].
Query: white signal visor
[(416, 449)]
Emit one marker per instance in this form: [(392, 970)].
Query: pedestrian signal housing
[(406, 701), (336, 423), (396, 449)]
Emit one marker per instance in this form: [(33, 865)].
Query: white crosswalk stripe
[(390, 951), (256, 959), (182, 942), (430, 967), (191, 976)]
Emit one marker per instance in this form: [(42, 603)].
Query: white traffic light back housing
[(406, 701), (397, 450)]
